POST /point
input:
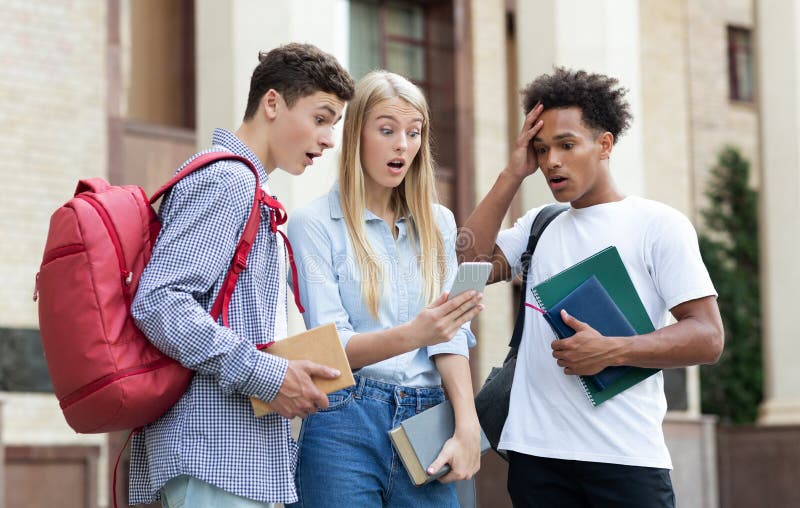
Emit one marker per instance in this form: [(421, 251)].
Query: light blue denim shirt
[(330, 283)]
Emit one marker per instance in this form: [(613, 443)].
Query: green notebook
[(607, 266)]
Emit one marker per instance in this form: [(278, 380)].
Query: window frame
[(734, 50)]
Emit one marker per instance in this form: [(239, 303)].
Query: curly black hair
[(296, 70), (600, 98)]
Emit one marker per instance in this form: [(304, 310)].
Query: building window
[(740, 64), (388, 35), (161, 83)]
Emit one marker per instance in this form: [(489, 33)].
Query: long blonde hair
[(416, 195)]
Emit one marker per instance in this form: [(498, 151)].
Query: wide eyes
[(388, 132)]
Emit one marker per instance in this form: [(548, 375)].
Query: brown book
[(320, 345)]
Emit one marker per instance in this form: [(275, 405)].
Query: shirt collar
[(229, 141), (335, 205)]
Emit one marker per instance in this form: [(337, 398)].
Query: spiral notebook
[(607, 269)]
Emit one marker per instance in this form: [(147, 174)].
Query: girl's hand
[(462, 452), (440, 321)]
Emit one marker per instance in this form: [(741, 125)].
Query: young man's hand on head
[(522, 162)]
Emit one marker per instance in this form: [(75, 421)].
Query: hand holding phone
[(439, 321), (471, 276)]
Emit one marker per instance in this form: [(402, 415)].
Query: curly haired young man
[(563, 451)]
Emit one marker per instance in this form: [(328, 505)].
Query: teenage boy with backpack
[(209, 449), (563, 451)]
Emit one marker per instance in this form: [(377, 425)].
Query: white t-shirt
[(550, 415)]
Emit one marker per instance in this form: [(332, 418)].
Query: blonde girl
[(375, 255)]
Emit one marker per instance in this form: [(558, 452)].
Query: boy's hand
[(298, 395), (522, 162), (587, 352)]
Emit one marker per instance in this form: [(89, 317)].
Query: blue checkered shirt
[(211, 433)]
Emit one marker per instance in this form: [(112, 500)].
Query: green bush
[(733, 388)]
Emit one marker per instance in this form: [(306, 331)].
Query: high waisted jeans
[(347, 460)]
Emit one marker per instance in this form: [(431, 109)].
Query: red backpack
[(106, 374)]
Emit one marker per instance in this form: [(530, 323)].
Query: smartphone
[(470, 277)]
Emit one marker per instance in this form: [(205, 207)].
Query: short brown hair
[(296, 70)]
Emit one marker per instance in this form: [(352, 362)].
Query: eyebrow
[(330, 110), (392, 117), (558, 137)]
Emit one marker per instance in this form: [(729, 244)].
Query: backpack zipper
[(63, 251), (126, 276), (52, 255), (99, 384)]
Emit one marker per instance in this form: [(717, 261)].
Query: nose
[(401, 144), (326, 141), (552, 160)]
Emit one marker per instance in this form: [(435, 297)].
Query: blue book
[(591, 303)]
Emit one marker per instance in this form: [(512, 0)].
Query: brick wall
[(53, 117), (53, 111)]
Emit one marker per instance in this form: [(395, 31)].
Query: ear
[(606, 141), (270, 103)]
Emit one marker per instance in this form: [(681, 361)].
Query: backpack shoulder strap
[(239, 261), (545, 217)]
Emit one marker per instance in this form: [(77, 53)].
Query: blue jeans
[(189, 492), (347, 460)]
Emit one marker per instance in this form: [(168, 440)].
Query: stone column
[(490, 151), (229, 36), (778, 46)]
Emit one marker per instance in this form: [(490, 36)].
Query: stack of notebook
[(599, 292)]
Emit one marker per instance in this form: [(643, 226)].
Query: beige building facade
[(78, 95), (53, 110)]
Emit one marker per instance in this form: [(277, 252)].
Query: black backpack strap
[(545, 217)]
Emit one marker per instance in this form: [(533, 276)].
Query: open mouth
[(310, 158), (396, 165)]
